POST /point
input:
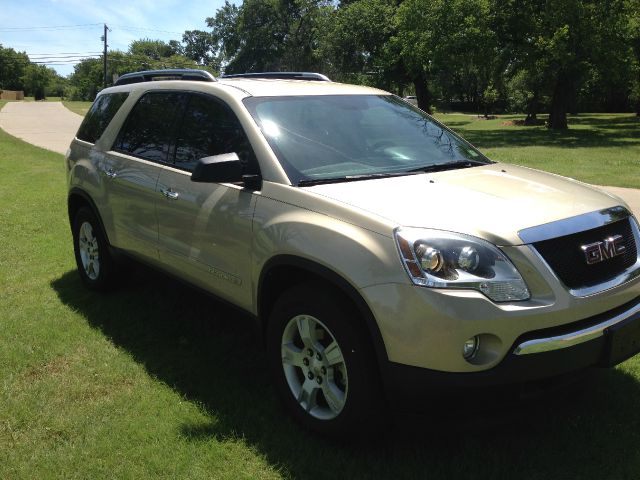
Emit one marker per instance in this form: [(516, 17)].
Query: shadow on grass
[(211, 354), (603, 133)]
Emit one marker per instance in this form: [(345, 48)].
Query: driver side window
[(210, 128)]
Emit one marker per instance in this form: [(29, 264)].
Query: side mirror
[(218, 168)]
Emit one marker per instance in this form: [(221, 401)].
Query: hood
[(493, 202)]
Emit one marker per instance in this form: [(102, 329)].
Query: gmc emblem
[(599, 251)]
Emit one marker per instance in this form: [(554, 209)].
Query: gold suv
[(386, 258)]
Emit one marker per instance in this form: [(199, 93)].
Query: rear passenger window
[(208, 128), (100, 114), (148, 131)]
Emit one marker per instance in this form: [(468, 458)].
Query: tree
[(200, 47), (263, 35), (86, 80), (449, 40), (12, 68), (560, 44), (356, 38), (35, 80), (155, 49), (516, 23), (633, 8), (560, 55)]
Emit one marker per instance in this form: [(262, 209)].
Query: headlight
[(439, 259)]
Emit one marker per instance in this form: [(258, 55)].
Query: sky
[(59, 32)]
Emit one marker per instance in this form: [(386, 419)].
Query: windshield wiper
[(440, 167), (354, 178)]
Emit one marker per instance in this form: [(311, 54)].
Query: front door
[(205, 229)]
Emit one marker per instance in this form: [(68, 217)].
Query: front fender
[(360, 256)]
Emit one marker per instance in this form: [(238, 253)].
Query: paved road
[(48, 125), (629, 195), (52, 126)]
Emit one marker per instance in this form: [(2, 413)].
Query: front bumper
[(427, 327), (600, 341)]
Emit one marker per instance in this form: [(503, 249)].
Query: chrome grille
[(566, 258)]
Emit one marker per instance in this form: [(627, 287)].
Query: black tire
[(98, 268), (360, 394)]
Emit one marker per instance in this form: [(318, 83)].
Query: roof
[(272, 88), (258, 85)]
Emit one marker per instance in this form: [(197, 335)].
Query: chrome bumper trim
[(567, 340)]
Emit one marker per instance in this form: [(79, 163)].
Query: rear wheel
[(95, 264), (323, 365)]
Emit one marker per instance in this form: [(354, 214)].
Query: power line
[(64, 53), (54, 57), (53, 27), (140, 29)]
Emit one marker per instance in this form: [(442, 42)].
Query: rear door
[(205, 229), (133, 166)]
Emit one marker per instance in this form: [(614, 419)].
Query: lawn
[(157, 381), (81, 108), (603, 149)]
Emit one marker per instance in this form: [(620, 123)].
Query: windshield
[(355, 136)]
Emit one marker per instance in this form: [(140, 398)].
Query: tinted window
[(101, 113), (148, 130), (210, 128)]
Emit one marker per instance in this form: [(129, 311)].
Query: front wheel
[(322, 362)]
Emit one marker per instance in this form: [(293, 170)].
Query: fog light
[(470, 348)]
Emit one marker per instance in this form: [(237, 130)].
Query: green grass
[(81, 108), (155, 380), (603, 149)]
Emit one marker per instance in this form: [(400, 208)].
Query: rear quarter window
[(100, 115), (148, 130)]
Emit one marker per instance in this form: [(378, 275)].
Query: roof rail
[(168, 74), (317, 77)]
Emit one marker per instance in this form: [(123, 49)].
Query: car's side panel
[(83, 175), (205, 234), (131, 196), (362, 256)]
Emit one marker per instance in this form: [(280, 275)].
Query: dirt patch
[(522, 123), (55, 367)]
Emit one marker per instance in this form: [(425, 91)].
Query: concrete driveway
[(48, 125), (52, 126), (629, 195)]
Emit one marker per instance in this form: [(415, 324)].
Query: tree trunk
[(423, 95), (572, 101), (559, 104), (532, 110)]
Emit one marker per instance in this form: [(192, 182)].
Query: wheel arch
[(283, 271), (77, 199)]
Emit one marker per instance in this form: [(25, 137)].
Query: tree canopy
[(530, 56)]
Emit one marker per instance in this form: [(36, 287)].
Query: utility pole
[(104, 55)]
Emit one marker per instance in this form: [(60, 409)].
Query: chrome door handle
[(111, 173), (170, 194)]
